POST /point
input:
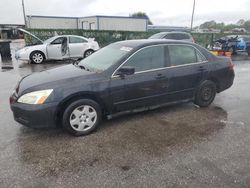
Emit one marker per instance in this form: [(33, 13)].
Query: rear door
[(147, 86), (77, 46), (188, 68)]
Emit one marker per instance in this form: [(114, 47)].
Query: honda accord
[(124, 76)]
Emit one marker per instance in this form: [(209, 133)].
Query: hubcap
[(83, 118), (88, 53), (37, 58), (207, 93)]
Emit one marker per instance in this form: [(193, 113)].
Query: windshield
[(157, 36), (105, 58)]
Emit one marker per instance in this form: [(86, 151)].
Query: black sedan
[(123, 76)]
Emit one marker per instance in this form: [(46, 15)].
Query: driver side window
[(58, 41), (148, 59)]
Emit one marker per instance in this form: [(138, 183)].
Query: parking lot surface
[(174, 146)]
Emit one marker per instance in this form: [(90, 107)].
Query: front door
[(148, 86), (54, 49)]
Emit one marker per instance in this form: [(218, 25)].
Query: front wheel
[(205, 94), (37, 57), (81, 117)]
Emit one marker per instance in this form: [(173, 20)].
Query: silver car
[(173, 35), (57, 48)]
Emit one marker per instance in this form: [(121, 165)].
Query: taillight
[(231, 65)]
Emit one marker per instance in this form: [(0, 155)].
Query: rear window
[(177, 36), (157, 36), (76, 40), (183, 55)]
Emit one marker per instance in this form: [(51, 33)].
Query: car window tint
[(184, 36), (200, 58), (181, 55), (58, 40), (147, 59), (170, 36), (76, 40)]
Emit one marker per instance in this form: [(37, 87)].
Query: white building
[(51, 22), (116, 23)]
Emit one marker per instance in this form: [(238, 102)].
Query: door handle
[(159, 76), (201, 68)]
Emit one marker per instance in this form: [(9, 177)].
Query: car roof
[(178, 32), (70, 36), (148, 42)]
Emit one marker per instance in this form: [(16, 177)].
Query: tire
[(205, 94), (81, 117), (88, 53), (37, 57), (248, 51)]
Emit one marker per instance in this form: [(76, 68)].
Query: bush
[(106, 37)]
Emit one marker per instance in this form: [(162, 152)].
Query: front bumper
[(20, 55), (35, 116)]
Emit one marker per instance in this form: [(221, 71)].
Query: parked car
[(123, 76), (174, 35), (57, 48)]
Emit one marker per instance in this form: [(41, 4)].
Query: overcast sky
[(161, 12)]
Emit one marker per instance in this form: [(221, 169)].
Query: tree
[(241, 22), (141, 15), (212, 25), (208, 25), (246, 25)]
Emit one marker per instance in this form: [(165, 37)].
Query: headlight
[(22, 50), (37, 97)]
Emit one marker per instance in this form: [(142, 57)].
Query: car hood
[(51, 78), (29, 33)]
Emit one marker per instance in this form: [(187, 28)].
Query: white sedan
[(58, 48)]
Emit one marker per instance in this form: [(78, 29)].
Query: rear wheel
[(37, 57), (248, 51), (205, 94), (88, 53), (81, 117)]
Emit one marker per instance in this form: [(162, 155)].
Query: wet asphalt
[(175, 146)]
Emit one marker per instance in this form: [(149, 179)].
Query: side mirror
[(126, 70)]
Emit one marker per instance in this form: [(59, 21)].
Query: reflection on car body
[(123, 76)]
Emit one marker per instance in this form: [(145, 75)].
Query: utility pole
[(24, 15), (192, 19)]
